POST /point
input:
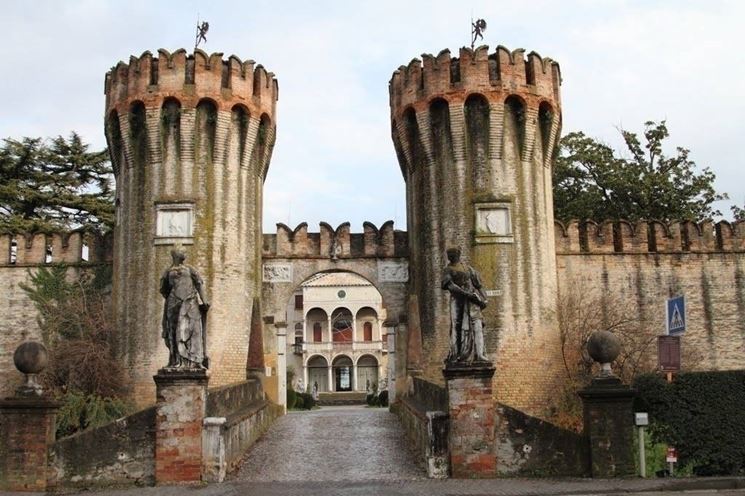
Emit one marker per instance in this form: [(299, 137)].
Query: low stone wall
[(119, 453), (525, 445), (237, 415), (123, 452), (532, 447), (423, 414)]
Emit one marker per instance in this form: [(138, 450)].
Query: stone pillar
[(27, 426), (180, 411), (331, 378), (282, 366), (609, 426), (471, 436), (255, 362), (26, 434), (214, 464)]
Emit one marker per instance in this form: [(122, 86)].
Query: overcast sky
[(622, 62)]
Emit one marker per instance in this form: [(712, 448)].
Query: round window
[(341, 294)]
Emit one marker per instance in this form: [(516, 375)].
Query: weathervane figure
[(201, 33), (477, 30)]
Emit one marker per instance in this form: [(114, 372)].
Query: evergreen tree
[(51, 185)]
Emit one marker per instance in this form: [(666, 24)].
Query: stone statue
[(467, 299), (184, 314)]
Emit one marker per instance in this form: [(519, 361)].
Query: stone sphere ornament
[(30, 358), (604, 347)]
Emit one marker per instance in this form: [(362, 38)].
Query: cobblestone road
[(345, 443)]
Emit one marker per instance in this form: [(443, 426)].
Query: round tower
[(190, 138), (475, 138)]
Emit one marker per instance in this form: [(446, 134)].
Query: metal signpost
[(642, 419), (668, 345)]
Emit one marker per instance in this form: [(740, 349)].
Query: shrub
[(383, 398), (291, 398), (702, 414), (372, 399), (75, 320), (80, 411), (299, 401), (308, 401)]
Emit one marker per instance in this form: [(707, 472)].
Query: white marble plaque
[(494, 221), (174, 223), (393, 271), (277, 272)]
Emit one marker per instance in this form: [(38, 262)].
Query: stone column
[(609, 426), (354, 377), (27, 426), (608, 412), (180, 411), (27, 431), (331, 378), (471, 437)]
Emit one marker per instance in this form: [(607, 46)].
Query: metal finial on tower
[(477, 29), (202, 29)]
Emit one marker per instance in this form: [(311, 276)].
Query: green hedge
[(702, 414)]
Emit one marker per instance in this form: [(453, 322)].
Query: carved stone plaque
[(277, 272), (393, 271), (174, 223), (493, 223)]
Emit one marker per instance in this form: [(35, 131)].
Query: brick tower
[(190, 138), (475, 138)]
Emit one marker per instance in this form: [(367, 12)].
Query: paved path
[(342, 443)]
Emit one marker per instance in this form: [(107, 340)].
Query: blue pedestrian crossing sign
[(676, 316)]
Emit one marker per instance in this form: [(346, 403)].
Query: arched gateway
[(332, 298)]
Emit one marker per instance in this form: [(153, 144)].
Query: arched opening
[(342, 326), (368, 327), (342, 366), (545, 122), (477, 140), (514, 116), (333, 319), (367, 373), (316, 323), (318, 373)]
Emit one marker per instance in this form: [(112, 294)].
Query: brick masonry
[(180, 413), (473, 421), (27, 430)]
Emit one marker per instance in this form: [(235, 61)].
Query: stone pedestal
[(471, 437), (27, 431), (180, 411), (609, 426)]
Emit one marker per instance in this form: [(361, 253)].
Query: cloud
[(623, 63)]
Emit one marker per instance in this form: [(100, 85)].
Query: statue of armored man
[(467, 300), (184, 314)]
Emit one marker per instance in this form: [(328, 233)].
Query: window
[(317, 336), (298, 302), (368, 331)]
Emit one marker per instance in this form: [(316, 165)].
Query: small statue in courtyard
[(315, 391), (467, 299), (184, 314)]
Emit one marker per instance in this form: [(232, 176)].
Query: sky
[(623, 63)]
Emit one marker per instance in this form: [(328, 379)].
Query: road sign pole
[(642, 454)]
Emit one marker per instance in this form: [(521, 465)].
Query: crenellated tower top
[(499, 74), (189, 79)]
